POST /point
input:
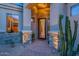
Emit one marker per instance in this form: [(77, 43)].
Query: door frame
[(38, 28)]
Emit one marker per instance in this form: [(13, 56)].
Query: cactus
[(67, 40), (61, 36)]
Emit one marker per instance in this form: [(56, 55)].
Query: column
[(53, 33), (26, 25)]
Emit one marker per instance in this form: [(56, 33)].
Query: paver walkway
[(37, 48)]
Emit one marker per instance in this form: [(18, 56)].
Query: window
[(19, 4), (12, 23), (75, 10)]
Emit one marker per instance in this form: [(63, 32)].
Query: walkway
[(37, 48)]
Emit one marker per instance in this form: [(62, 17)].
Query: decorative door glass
[(42, 28)]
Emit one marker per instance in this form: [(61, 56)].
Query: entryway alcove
[(40, 13)]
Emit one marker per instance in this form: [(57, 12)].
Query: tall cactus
[(75, 31), (61, 35), (66, 38)]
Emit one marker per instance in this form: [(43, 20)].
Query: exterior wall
[(64, 9), (61, 9), (54, 28), (35, 27), (72, 18), (15, 38), (55, 11), (26, 24), (54, 16), (4, 9), (15, 10), (26, 18)]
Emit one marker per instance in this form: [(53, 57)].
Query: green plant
[(33, 35), (66, 38), (48, 27)]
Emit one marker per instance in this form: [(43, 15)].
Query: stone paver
[(37, 48)]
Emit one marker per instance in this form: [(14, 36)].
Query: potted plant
[(33, 36)]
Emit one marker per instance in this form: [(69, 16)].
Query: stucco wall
[(54, 17), (55, 10), (26, 24), (72, 18), (63, 9), (3, 14), (26, 18)]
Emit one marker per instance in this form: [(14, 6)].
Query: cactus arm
[(69, 33), (77, 48), (75, 32), (74, 37), (60, 24), (66, 36), (67, 41), (61, 35), (69, 37)]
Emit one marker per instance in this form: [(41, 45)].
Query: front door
[(41, 28)]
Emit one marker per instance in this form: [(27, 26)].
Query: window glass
[(75, 10), (19, 4), (12, 23)]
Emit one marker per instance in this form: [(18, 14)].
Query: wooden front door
[(41, 28)]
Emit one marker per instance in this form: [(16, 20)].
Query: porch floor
[(37, 48)]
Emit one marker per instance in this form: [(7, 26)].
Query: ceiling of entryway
[(41, 10)]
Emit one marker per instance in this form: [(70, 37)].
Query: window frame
[(10, 14)]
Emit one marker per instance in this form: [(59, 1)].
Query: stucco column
[(55, 11), (26, 25), (53, 33)]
